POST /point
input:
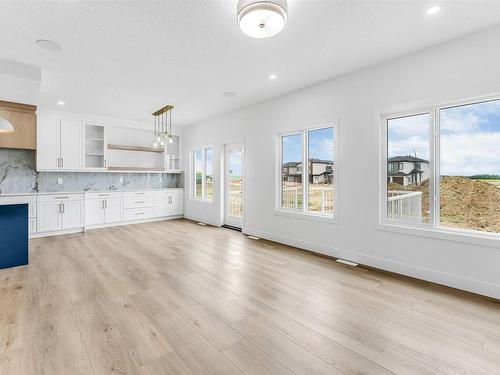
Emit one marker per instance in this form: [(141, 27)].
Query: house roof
[(408, 158), (321, 161), (292, 164)]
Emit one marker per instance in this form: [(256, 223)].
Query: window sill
[(446, 234), (306, 216)]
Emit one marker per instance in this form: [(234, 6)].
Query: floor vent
[(349, 263), (201, 223), (253, 238)]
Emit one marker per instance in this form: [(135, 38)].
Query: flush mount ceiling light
[(5, 126), (49, 45), (433, 10), (262, 19)]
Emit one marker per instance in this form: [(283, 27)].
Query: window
[(408, 141), (460, 187), (203, 186), (307, 167)]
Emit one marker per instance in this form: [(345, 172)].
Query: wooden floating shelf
[(135, 148), (141, 169)]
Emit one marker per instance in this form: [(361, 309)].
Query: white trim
[(433, 228), (303, 211), (472, 237), (422, 273), (192, 173)]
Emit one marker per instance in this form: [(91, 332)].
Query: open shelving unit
[(134, 148), (95, 141)]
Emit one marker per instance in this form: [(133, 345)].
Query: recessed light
[(60, 102), (48, 45), (228, 94), (433, 10), (273, 76)]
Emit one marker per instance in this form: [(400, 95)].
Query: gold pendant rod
[(163, 110)]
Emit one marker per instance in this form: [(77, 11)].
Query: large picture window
[(451, 167), (307, 170), (202, 173)]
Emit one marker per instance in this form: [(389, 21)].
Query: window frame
[(203, 197), (303, 212), (432, 229)]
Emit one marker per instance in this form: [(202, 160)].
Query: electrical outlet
[(59, 180)]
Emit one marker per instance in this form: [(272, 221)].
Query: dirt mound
[(465, 203), (470, 204)]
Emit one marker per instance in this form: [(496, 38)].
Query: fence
[(320, 199), (404, 206)]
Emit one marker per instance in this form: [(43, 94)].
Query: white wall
[(464, 68)]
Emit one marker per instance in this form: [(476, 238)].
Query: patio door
[(233, 187)]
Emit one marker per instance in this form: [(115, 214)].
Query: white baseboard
[(427, 274)]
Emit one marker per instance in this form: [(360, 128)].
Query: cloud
[(470, 154)]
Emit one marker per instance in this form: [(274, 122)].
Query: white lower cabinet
[(60, 212), (103, 208), (169, 202), (49, 214)]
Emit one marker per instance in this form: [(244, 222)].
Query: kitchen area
[(69, 173)]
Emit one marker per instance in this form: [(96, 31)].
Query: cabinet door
[(72, 216), (177, 203), (94, 211), (71, 144), (49, 218), (48, 141), (114, 211), (163, 205)]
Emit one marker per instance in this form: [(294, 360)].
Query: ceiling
[(127, 59)]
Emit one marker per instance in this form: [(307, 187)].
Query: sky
[(470, 138), (320, 145)]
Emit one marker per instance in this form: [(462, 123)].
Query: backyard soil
[(465, 203)]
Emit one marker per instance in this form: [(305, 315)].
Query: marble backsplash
[(18, 175)]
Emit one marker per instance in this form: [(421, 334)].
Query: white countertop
[(85, 191)]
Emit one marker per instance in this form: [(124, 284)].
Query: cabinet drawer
[(29, 199), (139, 213), (60, 197), (102, 195), (139, 201)]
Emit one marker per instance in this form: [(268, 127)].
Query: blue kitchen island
[(13, 235)]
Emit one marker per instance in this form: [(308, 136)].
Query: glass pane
[(209, 179), (470, 167), (198, 174), (235, 206), (321, 166), (291, 166), (408, 169)]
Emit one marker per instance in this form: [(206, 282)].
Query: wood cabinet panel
[(23, 119)]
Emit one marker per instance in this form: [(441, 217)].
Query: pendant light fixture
[(262, 18), (162, 131), (6, 126)]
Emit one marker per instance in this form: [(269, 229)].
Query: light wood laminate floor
[(178, 298)]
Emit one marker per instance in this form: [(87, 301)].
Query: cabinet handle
[(61, 198), (104, 195), (59, 208), (139, 202), (106, 203), (62, 162), (139, 213), (63, 208), (104, 163)]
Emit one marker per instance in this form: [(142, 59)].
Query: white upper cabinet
[(48, 151), (95, 146), (59, 144)]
